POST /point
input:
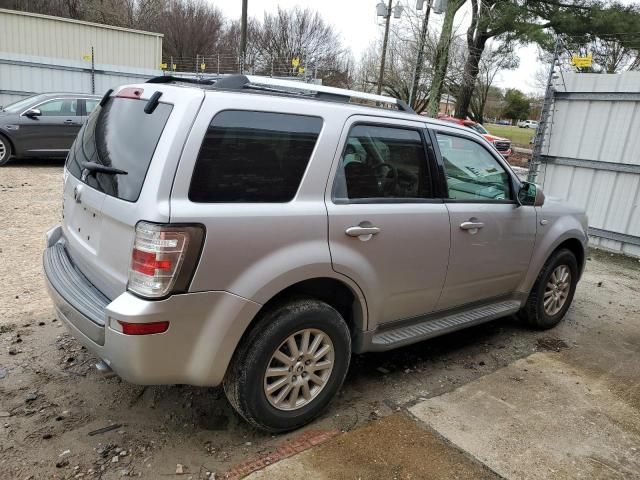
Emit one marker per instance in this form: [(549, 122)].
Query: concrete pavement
[(569, 411)]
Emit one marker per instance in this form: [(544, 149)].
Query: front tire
[(552, 294), (5, 150), (290, 365)]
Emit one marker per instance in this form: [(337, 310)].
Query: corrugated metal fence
[(22, 75), (591, 154)]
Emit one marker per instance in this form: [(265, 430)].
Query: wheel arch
[(3, 134), (347, 299)]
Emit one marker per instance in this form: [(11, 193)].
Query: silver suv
[(255, 233)]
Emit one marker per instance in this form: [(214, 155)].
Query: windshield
[(21, 105), (119, 135), (478, 128)]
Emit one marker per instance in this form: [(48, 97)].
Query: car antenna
[(152, 103), (105, 97)]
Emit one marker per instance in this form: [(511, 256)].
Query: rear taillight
[(164, 258)]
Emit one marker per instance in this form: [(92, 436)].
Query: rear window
[(253, 157), (122, 136)]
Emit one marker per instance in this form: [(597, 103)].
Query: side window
[(253, 157), (89, 105), (383, 162), (59, 108), (472, 172)]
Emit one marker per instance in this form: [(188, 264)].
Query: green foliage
[(516, 105)]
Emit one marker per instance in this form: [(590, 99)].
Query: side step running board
[(434, 326)]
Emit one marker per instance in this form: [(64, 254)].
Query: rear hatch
[(100, 209)]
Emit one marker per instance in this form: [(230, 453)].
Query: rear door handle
[(358, 231), (471, 225), (70, 122)]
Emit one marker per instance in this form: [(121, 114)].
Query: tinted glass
[(21, 105), (90, 105), (122, 136), (383, 162), (472, 172), (253, 157), (59, 108)]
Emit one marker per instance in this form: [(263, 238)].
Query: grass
[(518, 136)]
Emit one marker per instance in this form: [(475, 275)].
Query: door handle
[(69, 122), (471, 225), (359, 231)]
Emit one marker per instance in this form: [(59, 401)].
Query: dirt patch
[(520, 159), (395, 447), (550, 344)]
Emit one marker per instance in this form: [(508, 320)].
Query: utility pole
[(384, 48), (419, 59), (243, 34), (538, 139), (93, 71)]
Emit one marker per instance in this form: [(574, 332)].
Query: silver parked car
[(255, 233), (43, 125)]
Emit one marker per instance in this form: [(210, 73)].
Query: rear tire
[(552, 294), (268, 358), (5, 150)]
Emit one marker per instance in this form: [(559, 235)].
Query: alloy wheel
[(299, 369), (557, 289)]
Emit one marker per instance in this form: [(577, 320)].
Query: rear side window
[(253, 157), (119, 135)]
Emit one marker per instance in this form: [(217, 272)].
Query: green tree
[(442, 57), (516, 105), (523, 21)]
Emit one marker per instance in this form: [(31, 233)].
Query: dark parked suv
[(43, 125)]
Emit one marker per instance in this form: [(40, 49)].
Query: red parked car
[(503, 145)]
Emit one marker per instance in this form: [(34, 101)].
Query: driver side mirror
[(33, 112), (530, 195)]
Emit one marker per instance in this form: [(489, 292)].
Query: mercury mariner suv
[(255, 233)]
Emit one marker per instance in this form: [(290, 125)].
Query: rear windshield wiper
[(94, 167)]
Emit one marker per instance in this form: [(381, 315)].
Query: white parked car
[(528, 124)]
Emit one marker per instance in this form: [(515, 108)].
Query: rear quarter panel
[(255, 250)]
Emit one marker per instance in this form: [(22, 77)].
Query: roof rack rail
[(288, 87), (173, 78), (330, 92)]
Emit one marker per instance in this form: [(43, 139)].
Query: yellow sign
[(295, 62), (86, 57), (202, 66), (301, 71), (582, 62), (174, 67), (163, 66)]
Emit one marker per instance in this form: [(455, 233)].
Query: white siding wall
[(21, 76), (598, 131), (54, 37)]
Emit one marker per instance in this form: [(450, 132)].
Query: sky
[(357, 24)]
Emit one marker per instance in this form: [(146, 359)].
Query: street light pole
[(243, 35), (384, 48)]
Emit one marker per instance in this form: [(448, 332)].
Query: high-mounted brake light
[(164, 258), (130, 92)]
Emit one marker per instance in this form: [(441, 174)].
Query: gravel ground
[(51, 397)]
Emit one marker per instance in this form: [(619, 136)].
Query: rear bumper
[(505, 153), (203, 332)]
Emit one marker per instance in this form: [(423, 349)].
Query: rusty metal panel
[(591, 154)]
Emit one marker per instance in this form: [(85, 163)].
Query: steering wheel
[(388, 184)]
